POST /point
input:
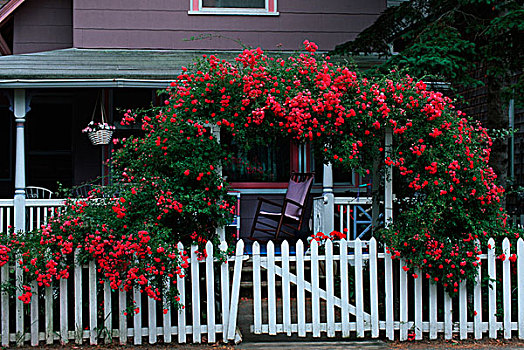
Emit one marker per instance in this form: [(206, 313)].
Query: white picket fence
[(354, 289), (347, 288), (80, 308)]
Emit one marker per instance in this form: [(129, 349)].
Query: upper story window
[(233, 7)]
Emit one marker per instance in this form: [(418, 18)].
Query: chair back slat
[(34, 192), (297, 192)]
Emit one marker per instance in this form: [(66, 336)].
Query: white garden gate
[(351, 288)]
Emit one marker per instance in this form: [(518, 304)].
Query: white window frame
[(196, 8)]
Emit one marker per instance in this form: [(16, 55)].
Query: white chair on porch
[(34, 192)]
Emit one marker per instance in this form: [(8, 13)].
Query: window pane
[(340, 174), (268, 163), (49, 137), (49, 127), (259, 4), (6, 130)]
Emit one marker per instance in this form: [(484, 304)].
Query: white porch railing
[(6, 214), (352, 215), (37, 212)]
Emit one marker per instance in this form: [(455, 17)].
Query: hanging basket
[(100, 137)]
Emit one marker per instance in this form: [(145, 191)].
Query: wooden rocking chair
[(286, 218)]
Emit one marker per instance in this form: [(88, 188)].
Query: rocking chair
[(286, 218), (34, 192)]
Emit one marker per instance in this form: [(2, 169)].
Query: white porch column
[(20, 109), (388, 195), (328, 220)]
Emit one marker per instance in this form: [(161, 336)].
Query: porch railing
[(352, 215), (37, 212)]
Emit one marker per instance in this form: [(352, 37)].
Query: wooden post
[(215, 131), (388, 196), (20, 110), (328, 221)]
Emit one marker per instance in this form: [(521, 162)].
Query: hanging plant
[(99, 133)]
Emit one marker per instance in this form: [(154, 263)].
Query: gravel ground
[(459, 344), (435, 344)]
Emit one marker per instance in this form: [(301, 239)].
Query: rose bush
[(167, 188)]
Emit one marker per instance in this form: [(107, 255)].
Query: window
[(49, 144), (233, 7), (269, 163), (6, 142)]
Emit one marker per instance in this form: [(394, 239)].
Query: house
[(62, 57)]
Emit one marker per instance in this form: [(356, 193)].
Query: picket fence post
[(79, 330), (418, 304), (166, 318), (4, 301), (330, 289), (257, 290), (448, 317), (403, 281), (235, 293), (286, 294), (93, 307), (315, 302), (506, 288), (373, 287), (224, 287), (49, 332), (359, 289), (271, 293), (477, 304), (122, 316), (463, 307), (345, 287), (34, 314), (19, 305), (388, 280), (520, 282), (301, 298), (492, 301), (137, 316), (64, 325), (210, 286), (195, 295)]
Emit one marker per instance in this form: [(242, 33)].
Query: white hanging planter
[(100, 137), (99, 133)]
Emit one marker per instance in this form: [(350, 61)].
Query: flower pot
[(100, 137)]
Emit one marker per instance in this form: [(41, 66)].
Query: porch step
[(249, 284)]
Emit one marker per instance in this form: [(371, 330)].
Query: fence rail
[(351, 288), (80, 308)]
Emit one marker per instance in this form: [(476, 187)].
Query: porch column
[(388, 184), (20, 110), (328, 220)]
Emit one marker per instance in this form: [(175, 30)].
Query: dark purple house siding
[(42, 25), (165, 24)]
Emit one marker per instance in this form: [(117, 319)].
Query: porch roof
[(94, 68), (106, 67)]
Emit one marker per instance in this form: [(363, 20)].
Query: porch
[(329, 211)]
